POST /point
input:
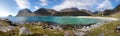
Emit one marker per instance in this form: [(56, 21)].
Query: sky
[(11, 7)]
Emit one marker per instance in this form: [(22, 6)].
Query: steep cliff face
[(69, 9), (110, 12), (25, 13), (42, 12), (117, 9), (79, 13), (116, 12), (72, 12), (52, 11)]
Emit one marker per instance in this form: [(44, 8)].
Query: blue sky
[(11, 7)]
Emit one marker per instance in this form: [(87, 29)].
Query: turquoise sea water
[(57, 19)]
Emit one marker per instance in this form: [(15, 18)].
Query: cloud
[(36, 7), (5, 13), (105, 5), (81, 4), (23, 3), (117, 0), (44, 2)]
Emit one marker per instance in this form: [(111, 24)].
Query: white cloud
[(84, 4), (117, 0), (44, 2), (36, 7), (81, 4), (5, 13), (23, 3), (105, 5)]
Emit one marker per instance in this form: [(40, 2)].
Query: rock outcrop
[(24, 30)]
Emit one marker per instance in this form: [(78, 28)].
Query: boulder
[(79, 33), (8, 28), (24, 30), (118, 28), (66, 33)]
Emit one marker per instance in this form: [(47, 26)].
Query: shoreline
[(80, 28), (91, 17), (87, 28), (94, 25), (108, 18)]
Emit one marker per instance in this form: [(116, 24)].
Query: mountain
[(25, 12), (72, 12), (108, 12), (69, 9), (97, 12), (42, 12), (52, 12), (117, 9), (10, 16), (87, 11)]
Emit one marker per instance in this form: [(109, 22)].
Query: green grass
[(117, 15), (108, 29), (10, 33), (41, 31)]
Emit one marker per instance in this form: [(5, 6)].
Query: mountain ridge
[(66, 12), (52, 12)]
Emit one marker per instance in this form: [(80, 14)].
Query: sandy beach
[(107, 18)]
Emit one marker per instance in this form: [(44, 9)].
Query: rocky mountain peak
[(24, 12), (42, 11), (69, 9)]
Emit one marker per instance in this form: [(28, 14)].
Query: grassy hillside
[(107, 29)]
